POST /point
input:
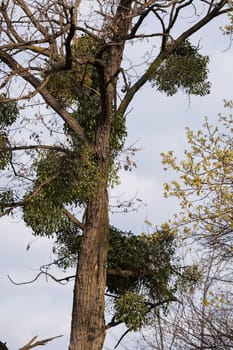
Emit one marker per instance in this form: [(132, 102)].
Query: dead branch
[(62, 281), (121, 338), (35, 147), (33, 343)]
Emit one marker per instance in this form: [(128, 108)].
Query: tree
[(203, 317), (205, 183), (206, 316), (67, 57)]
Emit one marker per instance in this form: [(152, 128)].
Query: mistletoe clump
[(185, 69)]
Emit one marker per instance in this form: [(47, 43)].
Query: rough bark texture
[(88, 325)]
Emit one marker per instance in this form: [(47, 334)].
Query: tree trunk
[(88, 323)]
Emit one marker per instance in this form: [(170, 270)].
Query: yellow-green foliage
[(131, 309), (228, 29), (204, 188), (190, 277)]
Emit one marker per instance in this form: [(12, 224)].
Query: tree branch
[(35, 147), (69, 39), (167, 50), (33, 343), (51, 101), (215, 12), (73, 219), (113, 272), (10, 28), (30, 45), (121, 338), (128, 273), (35, 21), (63, 280), (138, 24)]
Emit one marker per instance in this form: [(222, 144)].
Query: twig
[(62, 281), (123, 335), (33, 343)]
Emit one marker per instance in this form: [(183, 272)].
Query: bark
[(88, 324)]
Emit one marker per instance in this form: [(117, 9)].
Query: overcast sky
[(158, 124)]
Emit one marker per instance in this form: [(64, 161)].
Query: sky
[(157, 124)]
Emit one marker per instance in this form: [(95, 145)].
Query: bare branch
[(35, 147), (138, 24), (33, 343), (63, 280), (10, 28), (215, 12), (34, 20), (121, 338), (31, 44), (25, 74)]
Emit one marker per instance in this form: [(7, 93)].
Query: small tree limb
[(33, 343), (121, 338)]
